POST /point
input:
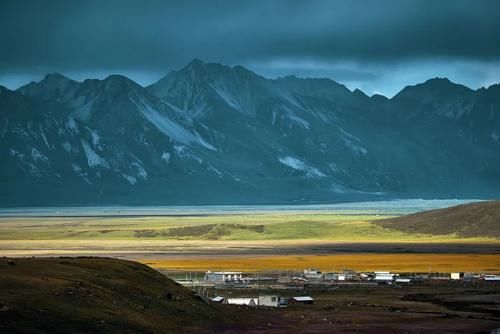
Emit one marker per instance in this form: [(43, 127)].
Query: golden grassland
[(360, 262), (181, 242)]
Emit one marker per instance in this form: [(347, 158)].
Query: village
[(267, 289)]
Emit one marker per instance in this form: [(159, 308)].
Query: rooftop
[(303, 299)]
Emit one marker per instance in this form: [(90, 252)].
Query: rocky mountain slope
[(210, 133)]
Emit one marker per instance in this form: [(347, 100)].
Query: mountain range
[(215, 134)]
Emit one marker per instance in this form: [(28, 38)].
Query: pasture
[(248, 242), (244, 227)]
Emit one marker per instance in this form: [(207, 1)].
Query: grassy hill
[(89, 295), (468, 220)]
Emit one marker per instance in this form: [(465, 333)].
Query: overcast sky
[(377, 46)]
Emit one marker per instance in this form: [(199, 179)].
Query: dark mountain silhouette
[(214, 134)]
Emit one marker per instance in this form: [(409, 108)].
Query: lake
[(392, 207)]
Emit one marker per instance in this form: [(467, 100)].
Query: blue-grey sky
[(377, 46)]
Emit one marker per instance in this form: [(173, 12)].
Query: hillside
[(215, 134), (96, 295), (468, 220)]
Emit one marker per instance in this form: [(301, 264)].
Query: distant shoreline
[(393, 207)]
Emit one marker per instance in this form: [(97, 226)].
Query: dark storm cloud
[(152, 36), (126, 34)]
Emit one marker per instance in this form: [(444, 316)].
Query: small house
[(223, 276), (217, 299), (383, 276), (270, 301), (301, 300), (403, 280), (245, 301), (297, 281), (349, 274), (468, 277), (335, 277), (313, 274)]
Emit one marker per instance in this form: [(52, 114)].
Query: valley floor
[(93, 295), (423, 309), (284, 241)]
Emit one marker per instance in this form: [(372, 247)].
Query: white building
[(492, 278), (349, 274), (246, 301), (217, 299), (335, 276), (455, 276), (313, 274), (383, 276), (223, 276), (403, 280), (364, 276), (271, 301)]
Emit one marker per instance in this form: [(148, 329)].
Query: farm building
[(402, 280), (297, 281), (312, 274), (217, 299), (364, 276), (492, 278), (468, 277), (245, 301), (383, 276), (334, 277), (349, 274), (223, 276), (283, 302), (271, 301), (301, 300)]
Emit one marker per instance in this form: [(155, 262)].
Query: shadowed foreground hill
[(468, 220), (89, 295), (96, 295)]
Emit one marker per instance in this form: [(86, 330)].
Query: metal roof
[(217, 299), (241, 301), (303, 299)]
